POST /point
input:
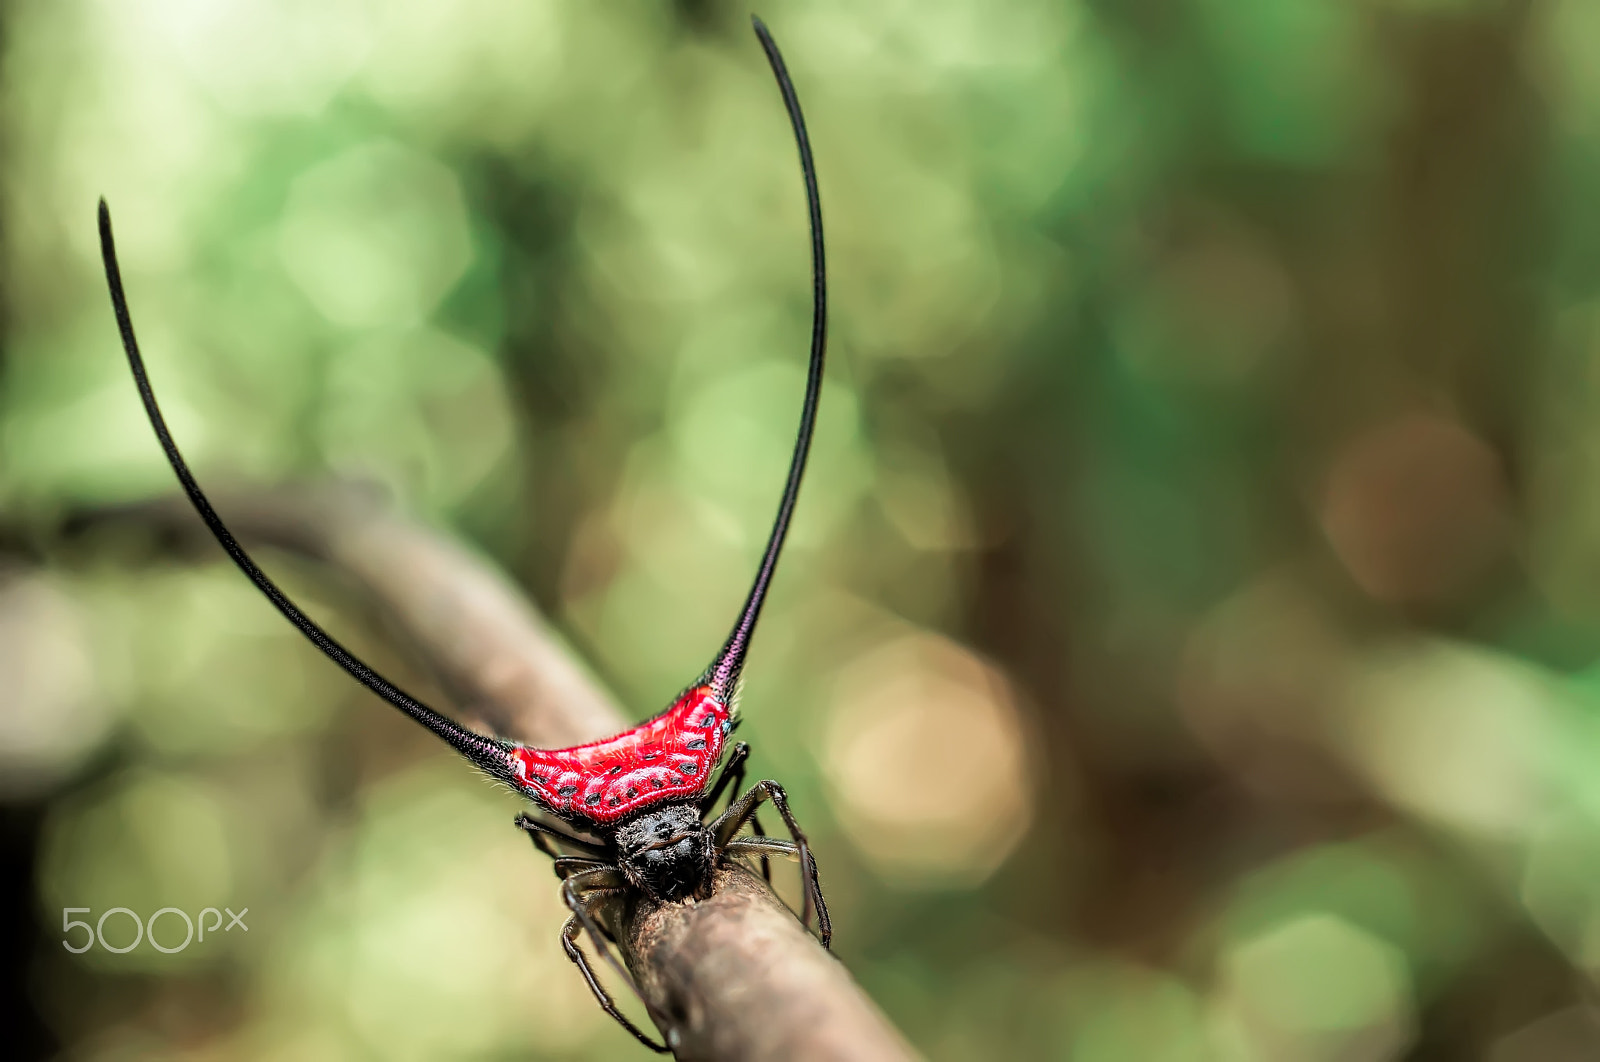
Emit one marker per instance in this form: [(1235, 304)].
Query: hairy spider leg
[(569, 934), (540, 831), (542, 844), (763, 846), (566, 866), (728, 825), (601, 883), (735, 761), (733, 771), (755, 823)]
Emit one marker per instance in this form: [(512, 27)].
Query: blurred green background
[(1186, 647)]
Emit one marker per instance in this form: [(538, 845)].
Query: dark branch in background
[(738, 974)]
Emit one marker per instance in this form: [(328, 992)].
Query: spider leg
[(566, 866), (733, 771), (762, 846), (766, 864), (729, 823), (543, 844), (541, 832), (569, 934), (577, 892)]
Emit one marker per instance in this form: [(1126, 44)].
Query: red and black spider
[(635, 807)]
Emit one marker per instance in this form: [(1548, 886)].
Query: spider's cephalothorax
[(634, 813), (667, 852)]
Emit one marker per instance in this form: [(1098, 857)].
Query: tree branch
[(736, 972)]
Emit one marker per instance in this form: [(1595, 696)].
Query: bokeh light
[(928, 756)]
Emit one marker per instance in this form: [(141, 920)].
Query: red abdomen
[(666, 758)]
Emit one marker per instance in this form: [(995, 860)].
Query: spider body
[(635, 812), (667, 853), (668, 758)]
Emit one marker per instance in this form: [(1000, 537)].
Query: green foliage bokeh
[(1185, 648)]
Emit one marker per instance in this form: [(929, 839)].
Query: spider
[(634, 813)]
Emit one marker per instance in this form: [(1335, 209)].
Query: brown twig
[(736, 973)]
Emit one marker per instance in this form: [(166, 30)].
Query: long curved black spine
[(723, 674), (490, 755)]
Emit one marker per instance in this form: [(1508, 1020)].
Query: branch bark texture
[(737, 974)]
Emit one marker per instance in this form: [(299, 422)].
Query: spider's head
[(667, 852)]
